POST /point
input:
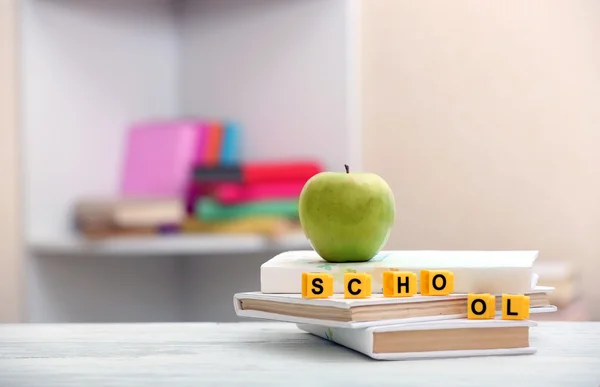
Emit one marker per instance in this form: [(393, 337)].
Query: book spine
[(270, 226), (214, 137), (223, 173), (208, 209), (279, 172), (200, 148), (257, 173), (238, 194), (230, 150)]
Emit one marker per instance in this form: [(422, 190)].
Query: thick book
[(440, 339), (128, 213), (474, 271), (337, 311)]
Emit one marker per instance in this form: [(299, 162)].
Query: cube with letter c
[(515, 307), (399, 284), (481, 306), (437, 282), (357, 285), (317, 285)]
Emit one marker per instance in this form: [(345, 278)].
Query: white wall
[(280, 67), (484, 118)]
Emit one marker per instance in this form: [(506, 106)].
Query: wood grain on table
[(270, 354)]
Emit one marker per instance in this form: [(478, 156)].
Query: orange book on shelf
[(214, 139), (97, 233)]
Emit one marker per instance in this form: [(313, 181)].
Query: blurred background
[(153, 151)]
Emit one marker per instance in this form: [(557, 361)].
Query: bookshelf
[(286, 70)]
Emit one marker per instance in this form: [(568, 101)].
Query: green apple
[(347, 217)]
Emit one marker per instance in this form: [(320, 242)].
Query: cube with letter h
[(481, 306), (399, 284), (437, 282), (357, 285), (317, 285), (515, 307)]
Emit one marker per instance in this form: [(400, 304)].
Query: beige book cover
[(337, 311), (439, 339), (129, 213), (474, 271)]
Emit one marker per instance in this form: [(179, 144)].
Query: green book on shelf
[(208, 209)]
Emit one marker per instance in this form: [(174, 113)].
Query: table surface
[(270, 354)]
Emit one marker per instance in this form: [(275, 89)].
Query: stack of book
[(98, 219), (406, 304), (188, 176), (259, 197)]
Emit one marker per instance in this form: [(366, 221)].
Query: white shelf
[(108, 64), (199, 245)]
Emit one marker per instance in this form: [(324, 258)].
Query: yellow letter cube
[(399, 284), (317, 285), (481, 306), (515, 307), (357, 285), (437, 282)]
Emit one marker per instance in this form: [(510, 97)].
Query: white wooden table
[(270, 354)]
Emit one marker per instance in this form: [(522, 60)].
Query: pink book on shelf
[(159, 158), (236, 193)]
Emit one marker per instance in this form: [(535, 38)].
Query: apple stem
[(347, 168)]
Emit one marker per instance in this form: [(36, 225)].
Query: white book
[(474, 271), (439, 339), (337, 311)]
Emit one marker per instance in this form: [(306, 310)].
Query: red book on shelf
[(212, 146), (233, 193), (273, 172), (258, 172)]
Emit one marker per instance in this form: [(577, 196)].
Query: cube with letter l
[(515, 307), (317, 285)]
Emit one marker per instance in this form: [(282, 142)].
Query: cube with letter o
[(481, 306), (437, 282), (317, 285), (357, 285)]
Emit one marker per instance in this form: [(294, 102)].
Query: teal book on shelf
[(231, 143), (208, 209)]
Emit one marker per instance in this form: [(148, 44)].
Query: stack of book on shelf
[(406, 304), (259, 197), (108, 218), (188, 176)]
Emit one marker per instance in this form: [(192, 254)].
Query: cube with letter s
[(317, 285)]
